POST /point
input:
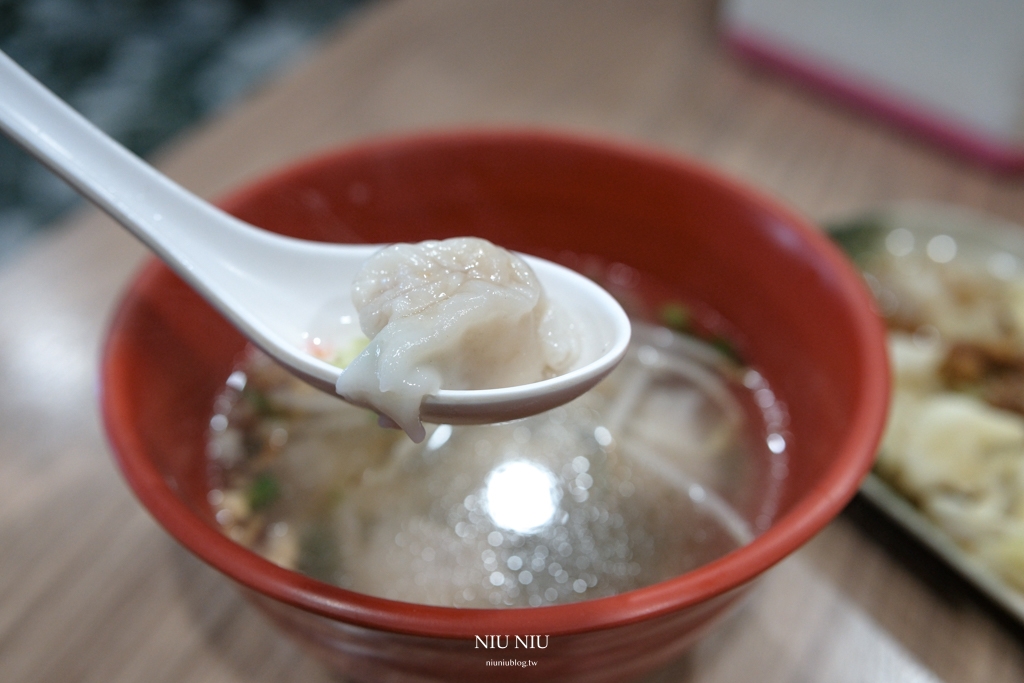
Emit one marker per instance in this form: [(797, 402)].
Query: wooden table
[(92, 590)]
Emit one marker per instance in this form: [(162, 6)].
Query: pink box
[(950, 71)]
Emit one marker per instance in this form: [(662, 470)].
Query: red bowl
[(801, 313)]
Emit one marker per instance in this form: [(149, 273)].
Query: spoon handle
[(221, 257), (154, 208)]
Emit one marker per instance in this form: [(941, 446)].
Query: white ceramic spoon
[(269, 286)]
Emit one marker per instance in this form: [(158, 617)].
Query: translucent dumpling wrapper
[(454, 314)]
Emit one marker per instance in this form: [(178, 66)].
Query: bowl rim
[(854, 455)]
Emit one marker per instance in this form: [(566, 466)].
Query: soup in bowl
[(593, 543)]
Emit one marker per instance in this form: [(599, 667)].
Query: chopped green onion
[(318, 553), (349, 351), (676, 316), (725, 347), (263, 491), (860, 239), (257, 401)]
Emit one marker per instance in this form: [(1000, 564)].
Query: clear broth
[(675, 460)]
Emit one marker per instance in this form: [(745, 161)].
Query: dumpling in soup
[(454, 314)]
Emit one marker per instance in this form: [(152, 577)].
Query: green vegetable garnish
[(318, 555), (263, 491), (348, 352), (725, 347), (859, 238), (676, 316), (257, 401)]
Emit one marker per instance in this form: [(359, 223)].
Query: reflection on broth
[(673, 461)]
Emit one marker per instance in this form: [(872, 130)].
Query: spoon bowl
[(273, 287)]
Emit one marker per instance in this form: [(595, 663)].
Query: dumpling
[(454, 314)]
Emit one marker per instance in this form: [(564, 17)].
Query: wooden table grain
[(92, 590)]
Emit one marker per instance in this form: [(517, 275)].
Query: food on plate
[(953, 301), (454, 314), (673, 461)]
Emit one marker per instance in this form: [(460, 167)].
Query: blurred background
[(142, 70)]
